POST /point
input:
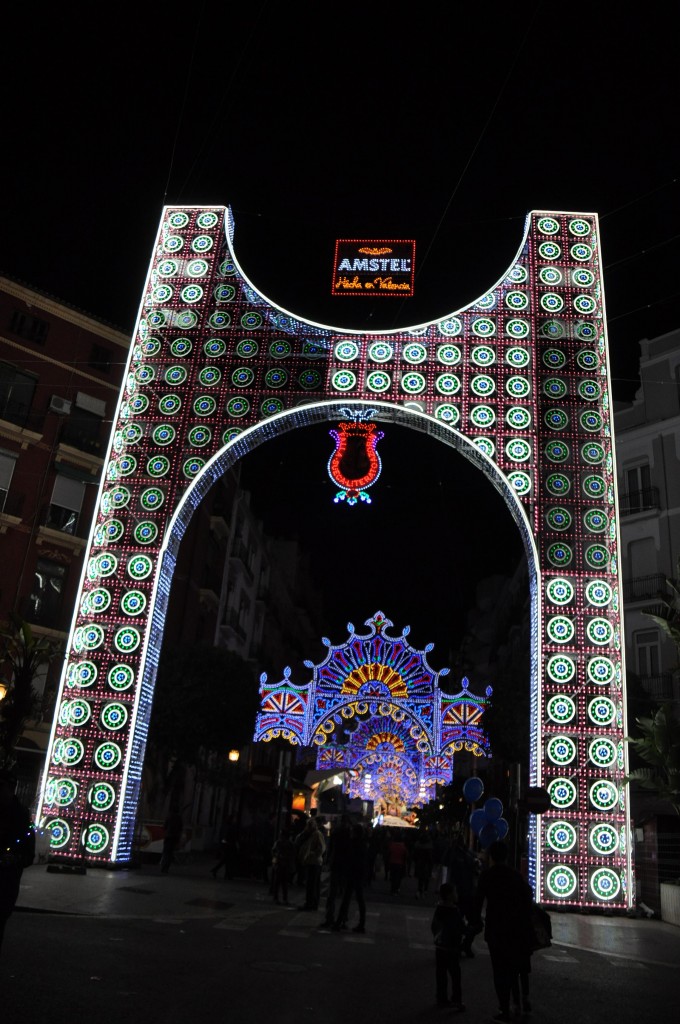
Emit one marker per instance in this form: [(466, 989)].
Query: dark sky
[(445, 123)]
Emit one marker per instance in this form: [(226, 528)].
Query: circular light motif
[(603, 795), (116, 498), (520, 482), (561, 836), (558, 484), (601, 711), (139, 567), (600, 631), (598, 593), (518, 450), (191, 293), (344, 380), (97, 600), (555, 387), (214, 348), (517, 387), (114, 716), (559, 555), (207, 220), (548, 226), (310, 379), (556, 419), (229, 434), (601, 671), (592, 453), (561, 708), (579, 227), (589, 390), (597, 556), (560, 668), (584, 304), (220, 320), (447, 384), (89, 637), (558, 518), (238, 407), (552, 329), (561, 750), (167, 268), (582, 278), (517, 357), (486, 445), (151, 498), (158, 465), (483, 355), (518, 417), (586, 331), (550, 276), (181, 347), (120, 677), (562, 792), (483, 327), (196, 268), (557, 451), (198, 437), (271, 406), (133, 602), (450, 328), (191, 467), (380, 352), (561, 881), (82, 674), (164, 434), (518, 274), (346, 351), (482, 416), (276, 378), (280, 349), (65, 791), (60, 833), (107, 756), (126, 465), (413, 383), (178, 220), (209, 376), (516, 300), (560, 591), (581, 252), (202, 243), (554, 358), (157, 318), (175, 375), (482, 385), (127, 639), (602, 752), (379, 381), (594, 486), (552, 302), (590, 420), (560, 629), (173, 243), (449, 355), (414, 353), (101, 796), (487, 302), (604, 839), (205, 405), (72, 751), (224, 293), (95, 838), (447, 413), (247, 348), (146, 532)]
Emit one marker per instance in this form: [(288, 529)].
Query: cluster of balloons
[(487, 822)]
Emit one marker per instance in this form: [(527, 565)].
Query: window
[(31, 328), (16, 394), (647, 660), (65, 504), (7, 464), (101, 359), (642, 557), (82, 430), (45, 600)]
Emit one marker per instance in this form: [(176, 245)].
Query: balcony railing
[(659, 687), (645, 500), (83, 440), (645, 588)]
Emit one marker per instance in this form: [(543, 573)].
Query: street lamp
[(234, 755), (3, 690)]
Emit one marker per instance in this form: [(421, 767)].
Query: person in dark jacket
[(355, 878), (507, 927), (448, 926), (17, 845)]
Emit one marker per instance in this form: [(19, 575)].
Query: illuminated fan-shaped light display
[(374, 709), (517, 382)]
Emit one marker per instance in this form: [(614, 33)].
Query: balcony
[(659, 687), (61, 526), (645, 588), (632, 502)]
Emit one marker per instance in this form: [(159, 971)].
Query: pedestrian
[(173, 833), (463, 871), (447, 927), (507, 929), (355, 879), (228, 851), (311, 852), (283, 865), (338, 860), (17, 845), (396, 861)]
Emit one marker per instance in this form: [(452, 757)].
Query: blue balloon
[(501, 827), (478, 820), (488, 835), (493, 808), (473, 789)]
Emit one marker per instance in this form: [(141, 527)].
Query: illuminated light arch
[(517, 381)]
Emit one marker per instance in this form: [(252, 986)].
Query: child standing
[(448, 926)]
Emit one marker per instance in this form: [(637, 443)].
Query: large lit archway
[(517, 381)]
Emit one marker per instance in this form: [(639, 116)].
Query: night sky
[(446, 123)]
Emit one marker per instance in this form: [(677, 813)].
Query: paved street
[(140, 946)]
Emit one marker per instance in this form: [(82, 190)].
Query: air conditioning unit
[(60, 405)]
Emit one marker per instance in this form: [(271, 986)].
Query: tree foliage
[(659, 747), (670, 620), (205, 703), (22, 656)]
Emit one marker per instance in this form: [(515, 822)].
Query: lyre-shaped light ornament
[(355, 464)]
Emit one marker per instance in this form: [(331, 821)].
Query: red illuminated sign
[(374, 267)]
